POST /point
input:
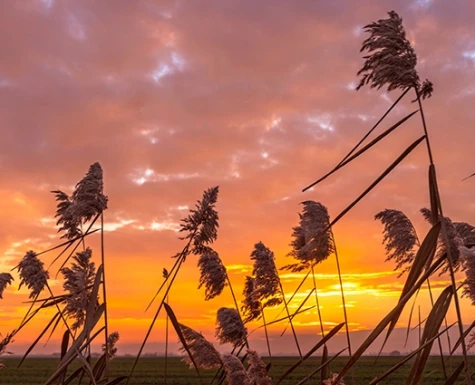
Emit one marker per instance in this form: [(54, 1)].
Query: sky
[(174, 97)]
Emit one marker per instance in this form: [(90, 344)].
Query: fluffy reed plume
[(32, 273), (256, 371), (202, 223), (5, 280), (230, 327), (455, 241), (212, 273), (203, 352), (332, 379), (391, 60), (79, 279), (111, 347), (469, 284), (266, 281), (234, 369), (466, 232), (67, 222), (86, 202), (88, 197), (251, 306), (400, 238), (312, 239)]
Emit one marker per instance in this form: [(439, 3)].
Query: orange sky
[(173, 97)]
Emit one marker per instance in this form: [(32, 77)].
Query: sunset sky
[(173, 97)]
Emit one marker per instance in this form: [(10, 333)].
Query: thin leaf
[(455, 375), (401, 157), (297, 311), (465, 334), (317, 346), (323, 366), (28, 351), (408, 357), (433, 324), (324, 359), (386, 320), (177, 328), (349, 159), (424, 254), (433, 192)]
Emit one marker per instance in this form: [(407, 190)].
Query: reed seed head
[(87, 201), (111, 345), (230, 327), (32, 273), (5, 280), (391, 60), (212, 273), (256, 371), (234, 369), (400, 238), (332, 380), (202, 222), (312, 239), (266, 281), (88, 197), (79, 279), (203, 352), (251, 306)]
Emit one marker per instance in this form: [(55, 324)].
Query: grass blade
[(433, 324), (317, 346), (177, 328), (379, 179), (322, 366), (455, 375), (386, 320), (425, 253), (408, 357), (28, 351), (349, 159)]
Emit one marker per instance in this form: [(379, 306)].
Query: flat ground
[(150, 371)]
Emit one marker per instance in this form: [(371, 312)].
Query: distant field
[(34, 371)]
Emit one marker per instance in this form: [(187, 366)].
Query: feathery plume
[(467, 232), (32, 273), (400, 238), (251, 305), (313, 242), (203, 352), (332, 379), (469, 283), (88, 197), (66, 220), (212, 273), (79, 279), (202, 222), (256, 371), (5, 280), (455, 241), (86, 202), (391, 60), (111, 345), (266, 281), (234, 369), (230, 327)]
